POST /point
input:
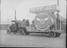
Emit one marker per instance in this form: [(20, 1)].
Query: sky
[(22, 7)]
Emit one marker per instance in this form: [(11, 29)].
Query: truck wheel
[(27, 33), (58, 34), (23, 31), (52, 34)]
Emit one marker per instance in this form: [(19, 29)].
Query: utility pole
[(58, 17), (15, 14)]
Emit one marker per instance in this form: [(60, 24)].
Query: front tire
[(23, 31)]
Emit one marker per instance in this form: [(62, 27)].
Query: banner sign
[(43, 9)]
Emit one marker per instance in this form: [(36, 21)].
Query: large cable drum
[(43, 21), (45, 16)]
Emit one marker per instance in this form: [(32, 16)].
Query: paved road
[(31, 41)]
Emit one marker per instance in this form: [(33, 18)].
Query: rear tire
[(58, 34), (54, 34)]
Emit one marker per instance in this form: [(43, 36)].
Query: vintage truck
[(45, 22)]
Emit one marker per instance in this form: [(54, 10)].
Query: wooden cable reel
[(43, 21)]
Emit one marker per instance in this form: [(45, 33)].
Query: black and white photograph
[(33, 23)]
